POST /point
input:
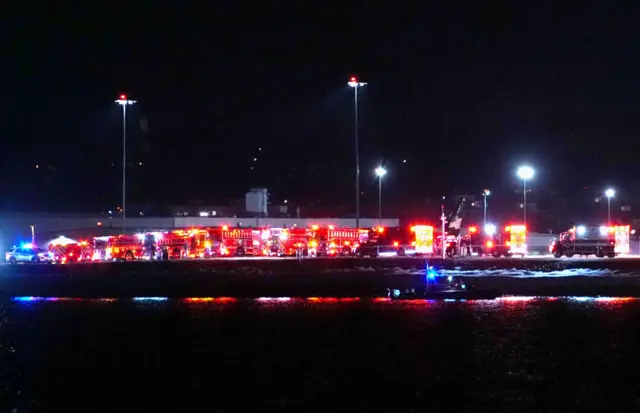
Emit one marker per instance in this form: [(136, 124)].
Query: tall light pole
[(380, 172), (485, 194), (124, 102), (355, 84), (525, 173), (610, 193)]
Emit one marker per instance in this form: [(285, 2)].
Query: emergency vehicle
[(68, 252), (290, 241), (124, 247), (198, 244), (238, 242), (584, 240), (331, 242), (512, 240), (622, 234), (385, 242)]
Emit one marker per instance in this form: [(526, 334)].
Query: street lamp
[(485, 194), (380, 172), (610, 193), (355, 84), (525, 173), (124, 102)]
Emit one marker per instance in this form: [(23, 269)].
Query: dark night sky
[(464, 92)]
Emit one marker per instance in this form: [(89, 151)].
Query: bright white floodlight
[(380, 171), (610, 193), (525, 173), (490, 229)]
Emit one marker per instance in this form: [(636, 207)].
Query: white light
[(285, 201), (124, 102), (380, 171), (486, 192), (610, 193), (404, 161), (581, 230), (525, 173), (604, 230), (490, 229), (204, 214)]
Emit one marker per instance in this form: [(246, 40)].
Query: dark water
[(319, 355)]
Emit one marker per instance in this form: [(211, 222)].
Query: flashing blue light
[(27, 299), (431, 274), (27, 245), (150, 298)]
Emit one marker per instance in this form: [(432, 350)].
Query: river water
[(510, 354)]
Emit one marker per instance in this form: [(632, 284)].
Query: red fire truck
[(232, 242), (198, 243), (124, 247), (292, 240), (64, 252), (333, 241)]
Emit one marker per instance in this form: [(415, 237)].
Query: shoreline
[(318, 278)]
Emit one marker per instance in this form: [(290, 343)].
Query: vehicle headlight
[(41, 254)]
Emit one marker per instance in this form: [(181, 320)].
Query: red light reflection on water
[(328, 300), (210, 300)]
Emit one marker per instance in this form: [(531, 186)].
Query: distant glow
[(353, 82), (525, 173), (150, 298), (581, 230), (380, 171), (123, 101), (490, 229), (610, 193)]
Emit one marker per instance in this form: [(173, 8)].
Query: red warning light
[(123, 97), (353, 79)]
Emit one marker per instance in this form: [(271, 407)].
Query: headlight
[(41, 254)]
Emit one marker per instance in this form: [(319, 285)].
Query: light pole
[(380, 172), (355, 84), (610, 193), (123, 101), (525, 173), (485, 194)]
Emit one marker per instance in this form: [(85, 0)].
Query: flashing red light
[(489, 244), (473, 229), (354, 79), (123, 97), (396, 243)]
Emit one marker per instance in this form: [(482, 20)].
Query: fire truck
[(512, 240), (291, 241), (583, 240), (384, 242), (198, 243), (622, 234), (237, 242), (124, 247), (331, 242), (69, 252)]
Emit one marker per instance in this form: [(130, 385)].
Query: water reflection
[(508, 300)]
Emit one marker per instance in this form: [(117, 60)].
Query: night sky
[(464, 92)]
